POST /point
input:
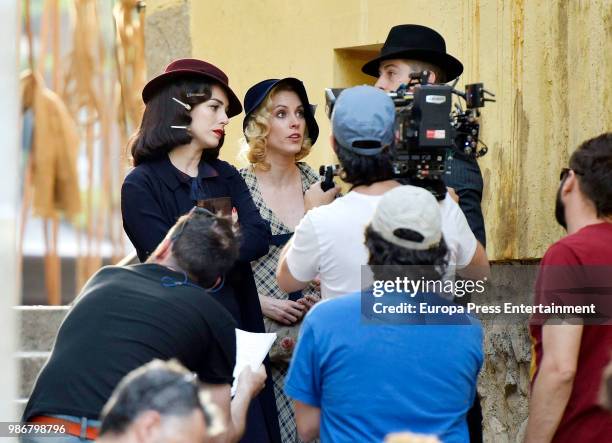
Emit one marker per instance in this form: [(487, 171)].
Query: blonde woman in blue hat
[(280, 129)]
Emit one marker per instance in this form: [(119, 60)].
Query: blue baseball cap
[(258, 92), (363, 120)]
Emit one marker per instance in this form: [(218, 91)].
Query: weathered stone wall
[(504, 379), (549, 62), (504, 383), (167, 33)]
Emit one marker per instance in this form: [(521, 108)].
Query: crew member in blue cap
[(280, 129), (329, 241)]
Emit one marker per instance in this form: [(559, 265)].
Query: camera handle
[(474, 95), (328, 173)]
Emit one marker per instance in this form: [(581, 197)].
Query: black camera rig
[(429, 131)]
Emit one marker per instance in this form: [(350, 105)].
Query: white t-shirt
[(329, 242)]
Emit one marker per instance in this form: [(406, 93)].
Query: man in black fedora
[(414, 48)]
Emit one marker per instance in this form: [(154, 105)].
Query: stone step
[(20, 405), (38, 326), (33, 278), (29, 363)]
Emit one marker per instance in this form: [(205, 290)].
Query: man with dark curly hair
[(127, 316)]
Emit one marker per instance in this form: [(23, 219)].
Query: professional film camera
[(429, 130)]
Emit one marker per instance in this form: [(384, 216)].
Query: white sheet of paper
[(251, 349)]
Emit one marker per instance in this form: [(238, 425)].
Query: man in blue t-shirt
[(357, 374)]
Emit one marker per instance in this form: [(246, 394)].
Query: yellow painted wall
[(549, 62)]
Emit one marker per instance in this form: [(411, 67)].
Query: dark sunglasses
[(195, 210)]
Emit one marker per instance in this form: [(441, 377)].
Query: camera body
[(423, 130), (429, 132)]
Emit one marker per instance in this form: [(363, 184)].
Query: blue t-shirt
[(371, 380)]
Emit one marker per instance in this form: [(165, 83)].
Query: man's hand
[(286, 312), (250, 383), (452, 193), (315, 196)]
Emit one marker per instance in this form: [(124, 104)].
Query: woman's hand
[(315, 196), (308, 301), (286, 312)]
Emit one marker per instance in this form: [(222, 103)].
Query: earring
[(184, 105)]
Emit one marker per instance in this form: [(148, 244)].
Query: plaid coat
[(264, 271)]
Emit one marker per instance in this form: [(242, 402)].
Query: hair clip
[(180, 127), (196, 94), (184, 105)]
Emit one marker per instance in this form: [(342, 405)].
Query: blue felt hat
[(258, 92)]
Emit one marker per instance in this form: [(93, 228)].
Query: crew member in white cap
[(419, 378)]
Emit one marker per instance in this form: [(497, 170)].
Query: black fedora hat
[(191, 67), (258, 92), (419, 43)]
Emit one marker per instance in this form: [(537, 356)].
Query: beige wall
[(167, 33), (549, 62)]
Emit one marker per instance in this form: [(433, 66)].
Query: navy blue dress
[(154, 195)]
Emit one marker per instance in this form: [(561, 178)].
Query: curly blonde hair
[(258, 128)]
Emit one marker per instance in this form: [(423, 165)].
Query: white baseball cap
[(408, 208)]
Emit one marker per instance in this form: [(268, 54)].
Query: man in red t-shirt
[(569, 355)]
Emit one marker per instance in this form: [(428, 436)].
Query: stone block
[(30, 364), (38, 326)]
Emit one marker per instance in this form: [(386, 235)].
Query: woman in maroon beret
[(175, 155)]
